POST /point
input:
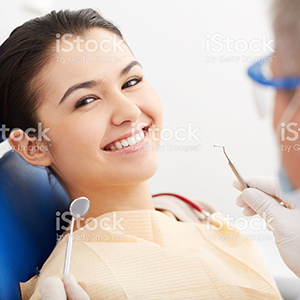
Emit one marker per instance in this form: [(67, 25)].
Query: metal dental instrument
[(241, 179), (234, 169), (78, 208)]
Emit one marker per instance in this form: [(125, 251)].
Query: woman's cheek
[(156, 107)]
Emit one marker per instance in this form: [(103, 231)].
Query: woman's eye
[(132, 82), (85, 101)]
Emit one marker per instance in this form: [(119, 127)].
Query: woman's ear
[(30, 148)]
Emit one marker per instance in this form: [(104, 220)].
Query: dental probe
[(234, 169), (241, 179)]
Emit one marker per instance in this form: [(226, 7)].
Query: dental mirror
[(78, 208)]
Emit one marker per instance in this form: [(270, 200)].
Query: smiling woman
[(104, 122)]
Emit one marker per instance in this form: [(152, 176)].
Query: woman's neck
[(117, 198)]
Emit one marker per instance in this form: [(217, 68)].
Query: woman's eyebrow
[(128, 68), (92, 83), (83, 85)]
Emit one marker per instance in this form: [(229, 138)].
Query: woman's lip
[(125, 136), (131, 149)]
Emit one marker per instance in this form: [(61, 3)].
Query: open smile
[(128, 140)]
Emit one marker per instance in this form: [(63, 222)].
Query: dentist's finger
[(269, 185), (73, 289), (249, 212), (261, 203), (237, 185), (52, 288), (240, 202)]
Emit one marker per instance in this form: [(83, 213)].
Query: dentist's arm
[(54, 288), (283, 222)]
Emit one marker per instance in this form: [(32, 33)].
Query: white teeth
[(137, 137), (118, 145), (131, 140), (124, 143), (142, 134)]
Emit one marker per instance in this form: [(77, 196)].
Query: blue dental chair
[(28, 207)]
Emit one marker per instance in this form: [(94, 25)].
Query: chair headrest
[(28, 207)]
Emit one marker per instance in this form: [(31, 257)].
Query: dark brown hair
[(26, 51)]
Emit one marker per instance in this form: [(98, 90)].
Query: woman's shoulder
[(183, 208)]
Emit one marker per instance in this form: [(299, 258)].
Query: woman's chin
[(143, 171), (140, 172)]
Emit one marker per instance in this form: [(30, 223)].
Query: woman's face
[(95, 103)]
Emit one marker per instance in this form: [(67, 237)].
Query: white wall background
[(169, 38)]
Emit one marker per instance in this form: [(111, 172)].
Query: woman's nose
[(124, 110)]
